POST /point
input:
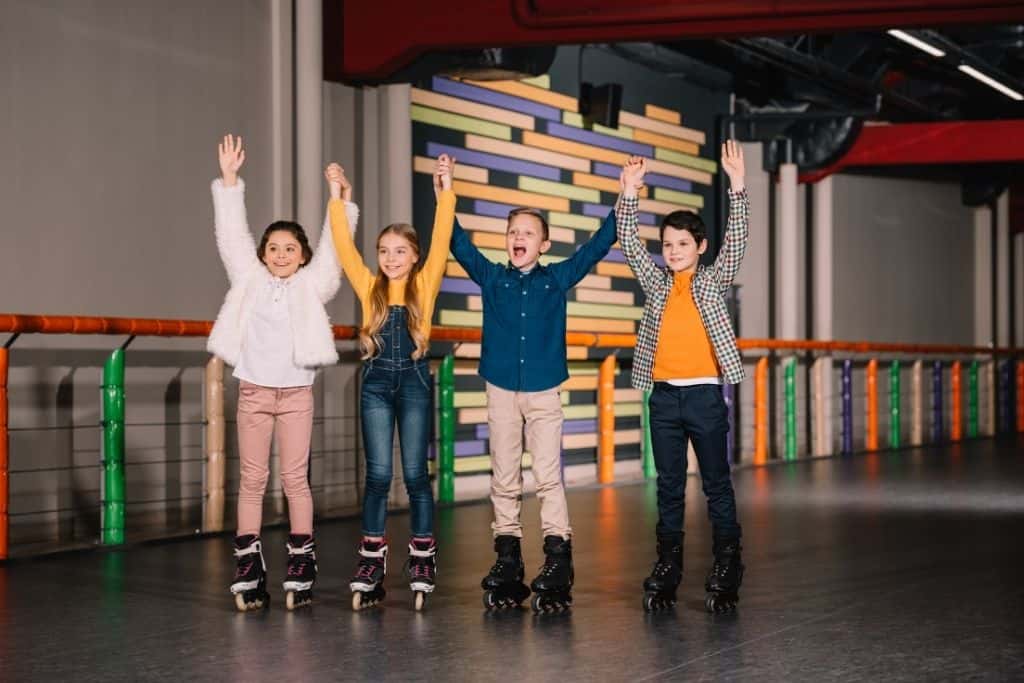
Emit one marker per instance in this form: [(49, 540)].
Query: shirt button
[(522, 360), (523, 314), (524, 292), (523, 338)]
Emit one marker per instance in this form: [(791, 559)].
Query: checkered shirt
[(708, 287)]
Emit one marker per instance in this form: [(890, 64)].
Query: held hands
[(231, 156), (443, 174), (732, 164), (339, 185), (631, 179)]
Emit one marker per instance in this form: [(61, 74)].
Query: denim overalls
[(396, 389)]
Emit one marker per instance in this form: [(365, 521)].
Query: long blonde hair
[(369, 333)]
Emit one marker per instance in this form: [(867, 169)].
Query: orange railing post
[(956, 417), (606, 421), (871, 437), (761, 412)]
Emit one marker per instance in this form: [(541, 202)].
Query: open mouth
[(518, 252)]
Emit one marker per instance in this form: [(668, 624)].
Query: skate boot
[(250, 584), (367, 585), (421, 568), (298, 586), (725, 577), (553, 586), (503, 586), (660, 586)]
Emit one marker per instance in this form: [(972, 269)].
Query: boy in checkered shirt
[(686, 349)]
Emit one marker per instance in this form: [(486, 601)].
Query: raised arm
[(575, 268), (444, 218), (359, 276), (324, 269), (633, 248), (734, 244), (231, 227)]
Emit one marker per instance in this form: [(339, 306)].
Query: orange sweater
[(684, 350)]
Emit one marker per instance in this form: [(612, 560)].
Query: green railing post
[(112, 391), (894, 404), (648, 447), (790, 407), (446, 445), (972, 401)]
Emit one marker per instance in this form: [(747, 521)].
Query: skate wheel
[(536, 604), (489, 601), (419, 601), (240, 602), (648, 602), (357, 601), (290, 601)]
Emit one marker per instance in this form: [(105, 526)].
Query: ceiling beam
[(917, 144), (368, 41)]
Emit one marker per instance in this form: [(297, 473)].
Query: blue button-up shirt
[(524, 313)]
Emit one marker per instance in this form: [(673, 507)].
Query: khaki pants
[(541, 412), (265, 412)]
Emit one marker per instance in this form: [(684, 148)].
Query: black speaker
[(600, 104)]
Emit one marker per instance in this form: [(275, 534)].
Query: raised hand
[(443, 174), (339, 185), (231, 156), (631, 178), (732, 164)]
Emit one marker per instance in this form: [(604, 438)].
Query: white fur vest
[(313, 285)]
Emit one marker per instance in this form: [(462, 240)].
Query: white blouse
[(267, 353)]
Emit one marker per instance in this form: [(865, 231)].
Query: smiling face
[(525, 240), (680, 249), (396, 255), (283, 254)]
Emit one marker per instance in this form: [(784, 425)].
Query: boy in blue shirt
[(523, 360)]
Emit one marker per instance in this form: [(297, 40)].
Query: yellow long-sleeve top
[(684, 350), (429, 276)]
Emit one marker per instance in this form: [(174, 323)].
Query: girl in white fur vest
[(274, 330)]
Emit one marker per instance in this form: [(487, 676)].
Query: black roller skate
[(367, 585), (250, 584), (298, 586), (660, 586), (725, 577), (503, 586), (553, 586), (421, 568)]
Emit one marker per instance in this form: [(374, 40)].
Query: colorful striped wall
[(523, 144)]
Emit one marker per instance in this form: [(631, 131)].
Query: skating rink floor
[(895, 566)]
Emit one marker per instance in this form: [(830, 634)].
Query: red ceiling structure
[(368, 40)]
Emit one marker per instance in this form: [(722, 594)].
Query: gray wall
[(903, 265)]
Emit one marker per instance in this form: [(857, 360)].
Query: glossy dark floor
[(888, 567)]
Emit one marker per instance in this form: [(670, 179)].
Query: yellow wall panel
[(661, 114), (529, 92), (636, 121), (473, 109), (507, 196), (462, 172), (535, 154)]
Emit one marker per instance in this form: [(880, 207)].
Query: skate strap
[(251, 549), (380, 552), (304, 549), (416, 552)]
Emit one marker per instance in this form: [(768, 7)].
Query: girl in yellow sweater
[(398, 303)]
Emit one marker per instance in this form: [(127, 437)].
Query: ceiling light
[(916, 42), (991, 82)]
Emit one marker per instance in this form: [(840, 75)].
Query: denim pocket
[(422, 371)]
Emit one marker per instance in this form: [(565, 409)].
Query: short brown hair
[(685, 220), (530, 212)]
